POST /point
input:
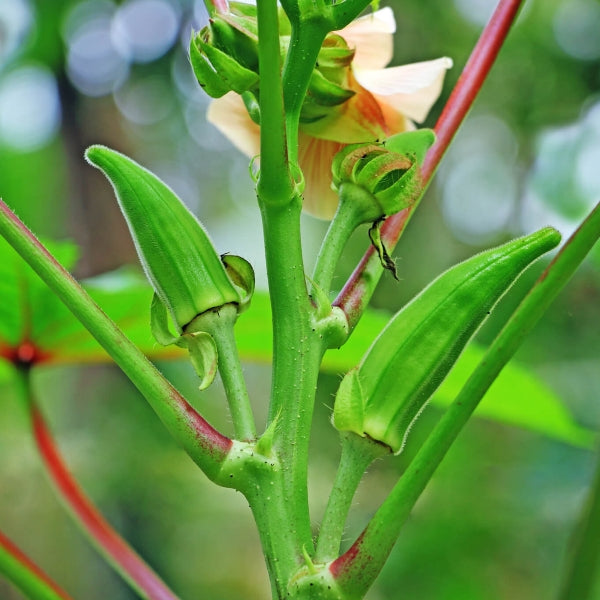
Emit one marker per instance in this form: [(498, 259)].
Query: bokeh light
[(145, 100), (564, 182), (477, 12), (15, 23), (480, 182), (577, 28), (93, 64), (29, 108), (143, 30)]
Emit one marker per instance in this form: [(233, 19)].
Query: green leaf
[(7, 372), (21, 290), (30, 312), (126, 297)]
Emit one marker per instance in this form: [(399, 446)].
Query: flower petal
[(371, 38), (229, 115), (315, 157), (359, 119), (410, 89)]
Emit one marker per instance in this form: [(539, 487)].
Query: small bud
[(381, 179), (334, 55), (224, 55), (386, 392)]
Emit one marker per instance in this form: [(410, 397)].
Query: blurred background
[(495, 522)]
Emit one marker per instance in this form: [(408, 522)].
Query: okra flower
[(383, 101)]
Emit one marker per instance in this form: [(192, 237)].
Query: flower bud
[(381, 179), (224, 55), (386, 392)]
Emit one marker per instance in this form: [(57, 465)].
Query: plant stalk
[(581, 572), (220, 326), (357, 454), (26, 575)]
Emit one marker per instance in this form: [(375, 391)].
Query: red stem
[(18, 555), (352, 298), (124, 557)]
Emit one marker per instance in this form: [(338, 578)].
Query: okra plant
[(301, 87)]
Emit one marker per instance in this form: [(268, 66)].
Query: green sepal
[(329, 322), (210, 81), (252, 106), (324, 92), (334, 55), (241, 274), (347, 162), (235, 76), (348, 413), (236, 37), (203, 355), (159, 323), (264, 445), (413, 144), (389, 174), (418, 347)]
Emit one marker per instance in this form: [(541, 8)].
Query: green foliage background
[(494, 524)]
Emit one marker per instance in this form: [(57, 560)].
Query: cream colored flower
[(386, 101)]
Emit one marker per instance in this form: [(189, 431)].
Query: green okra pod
[(177, 255), (386, 392)]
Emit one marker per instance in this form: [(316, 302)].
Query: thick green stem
[(296, 356), (220, 325), (275, 183), (26, 575), (207, 447), (356, 570), (277, 529), (357, 454), (297, 349), (255, 471), (581, 576)]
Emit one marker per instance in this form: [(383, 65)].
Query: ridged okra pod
[(385, 393), (189, 277)]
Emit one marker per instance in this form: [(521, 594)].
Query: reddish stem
[(356, 293), (30, 566), (124, 557)]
